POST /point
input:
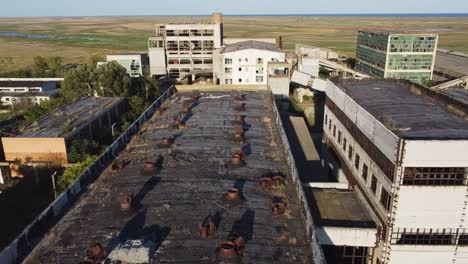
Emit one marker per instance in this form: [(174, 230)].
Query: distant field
[(86, 36)]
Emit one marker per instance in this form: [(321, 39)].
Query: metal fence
[(25, 242), (305, 210)]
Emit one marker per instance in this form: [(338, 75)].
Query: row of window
[(385, 164), (361, 167), (240, 69), (258, 60), (258, 79), (434, 176), (422, 236)]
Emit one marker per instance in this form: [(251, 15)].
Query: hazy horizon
[(83, 8)]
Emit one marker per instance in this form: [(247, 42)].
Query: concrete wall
[(431, 207), (249, 68), (346, 236), (416, 254), (436, 153), (35, 149), (157, 59), (306, 214)]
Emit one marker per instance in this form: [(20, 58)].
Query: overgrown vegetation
[(72, 173)]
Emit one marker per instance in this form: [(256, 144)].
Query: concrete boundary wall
[(25, 242), (224, 87), (304, 206)]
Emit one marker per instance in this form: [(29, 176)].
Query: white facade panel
[(157, 59), (339, 98), (386, 141), (365, 122), (346, 236), (350, 109), (430, 206), (436, 153), (244, 67), (416, 254)]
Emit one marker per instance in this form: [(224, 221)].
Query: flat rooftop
[(190, 185), (13, 84), (409, 115), (338, 208), (399, 32), (76, 114), (458, 94), (455, 63), (30, 94), (251, 44)]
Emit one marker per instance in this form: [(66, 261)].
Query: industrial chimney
[(217, 18)]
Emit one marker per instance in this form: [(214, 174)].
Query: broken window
[(385, 198), (357, 161), (373, 185), (365, 170), (434, 176)]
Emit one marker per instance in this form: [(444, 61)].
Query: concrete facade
[(136, 64), (247, 62), (415, 185), (188, 48), (397, 55)]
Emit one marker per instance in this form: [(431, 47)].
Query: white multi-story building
[(404, 150), (17, 91), (185, 49), (247, 62), (136, 64)]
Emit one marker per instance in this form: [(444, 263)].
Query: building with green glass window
[(385, 54)]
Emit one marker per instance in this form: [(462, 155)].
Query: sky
[(15, 8)]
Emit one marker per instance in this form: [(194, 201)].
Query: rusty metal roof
[(76, 115), (169, 205)]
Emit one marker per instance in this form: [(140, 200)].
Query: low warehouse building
[(46, 139)]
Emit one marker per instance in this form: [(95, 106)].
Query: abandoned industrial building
[(207, 179), (398, 55), (46, 140), (185, 50), (403, 149)]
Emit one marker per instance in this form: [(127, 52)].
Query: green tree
[(71, 174), (151, 89), (113, 80), (79, 82), (80, 149), (94, 59)]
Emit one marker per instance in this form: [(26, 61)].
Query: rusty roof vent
[(239, 119), (238, 159), (278, 180), (178, 121), (238, 129), (194, 98), (232, 198), (265, 182), (227, 253), (187, 106), (278, 206), (238, 240), (208, 227), (166, 142), (240, 107), (95, 254), (238, 136), (126, 200), (149, 168)]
